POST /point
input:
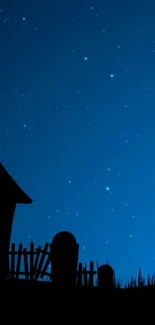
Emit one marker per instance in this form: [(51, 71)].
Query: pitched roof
[(9, 188)]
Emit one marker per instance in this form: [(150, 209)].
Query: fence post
[(64, 260), (105, 276)]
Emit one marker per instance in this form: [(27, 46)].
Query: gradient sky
[(77, 125)]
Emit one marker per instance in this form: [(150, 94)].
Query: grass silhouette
[(136, 283)]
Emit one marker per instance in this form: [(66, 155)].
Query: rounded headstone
[(105, 276), (64, 258), (64, 238)]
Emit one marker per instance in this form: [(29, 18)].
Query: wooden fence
[(35, 263)]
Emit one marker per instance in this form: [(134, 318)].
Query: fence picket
[(26, 264), (44, 252), (19, 256), (12, 272)]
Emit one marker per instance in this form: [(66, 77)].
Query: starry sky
[(77, 116)]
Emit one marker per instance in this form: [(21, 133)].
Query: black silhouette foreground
[(57, 261)]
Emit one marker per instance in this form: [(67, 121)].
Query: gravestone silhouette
[(64, 259), (105, 277), (10, 194)]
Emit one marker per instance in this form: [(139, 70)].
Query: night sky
[(77, 125)]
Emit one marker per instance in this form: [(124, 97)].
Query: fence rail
[(35, 263)]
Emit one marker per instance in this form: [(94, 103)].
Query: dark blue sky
[(77, 124)]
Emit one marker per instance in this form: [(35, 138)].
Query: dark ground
[(44, 289)]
